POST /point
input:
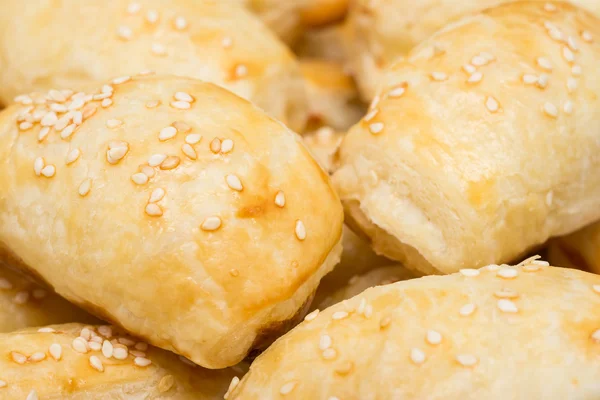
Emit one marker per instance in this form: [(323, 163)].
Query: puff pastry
[(578, 250), (481, 145), (25, 304), (95, 40), (379, 31), (332, 97), (75, 361), (470, 335), (180, 211)]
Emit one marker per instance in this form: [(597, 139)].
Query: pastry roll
[(481, 145), (382, 30), (179, 211), (215, 41), (525, 332), (578, 250), (332, 97), (25, 304), (77, 362)]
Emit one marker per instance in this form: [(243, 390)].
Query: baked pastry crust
[(466, 336), (458, 167), (380, 31), (46, 364), (181, 212), (212, 40), (578, 250)]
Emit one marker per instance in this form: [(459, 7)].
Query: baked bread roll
[(382, 30), (463, 336), (76, 361), (216, 41), (180, 212), (25, 304), (578, 250), (481, 144), (332, 97)]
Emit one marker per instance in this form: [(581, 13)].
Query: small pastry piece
[(380, 31), (95, 40), (578, 250), (181, 212), (481, 145), (465, 336), (75, 361), (24, 304), (332, 97)]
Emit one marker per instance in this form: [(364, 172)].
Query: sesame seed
[(106, 103), (38, 165), (105, 331), (152, 16), (467, 309), (120, 352), (232, 385), (469, 272), (139, 178), (568, 54), (107, 349), (572, 43), (171, 162), (158, 49), (117, 153), (234, 272), (113, 123), (80, 345), (146, 72), (18, 357), (325, 342), (153, 210), (189, 151), (156, 159), (124, 32), (141, 346), (234, 182), (555, 34), (121, 79), (397, 91), (49, 119), (142, 361), (152, 104), (96, 364), (506, 294), (85, 187), (181, 105), (596, 336), (5, 284), (469, 69), (479, 61), (344, 367), (23, 99), (376, 127), (314, 314), (211, 224), (339, 315), (368, 311), (241, 70), (59, 108), (68, 132), (587, 36), (417, 356), (133, 8), (89, 110), (492, 104), (476, 77), (541, 263), (507, 306), (21, 297), (107, 89), (507, 273), (439, 76), (571, 84), (72, 156), (371, 114), (544, 63), (157, 195), (180, 23), (226, 146), (531, 268), (3, 384), (300, 230), (576, 70), (329, 354), (280, 199), (433, 337), (549, 7), (550, 110), (193, 138), (183, 96), (543, 81), (375, 102), (385, 322), (227, 42), (167, 133), (466, 360), (181, 127), (95, 346), (596, 288), (32, 395), (25, 126), (76, 104), (77, 117), (529, 79), (49, 171), (287, 388)]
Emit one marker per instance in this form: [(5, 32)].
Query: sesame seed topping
[(241, 70), (469, 272), (183, 96), (106, 103), (60, 108), (116, 152), (85, 187), (543, 81), (181, 127), (157, 195), (80, 345), (479, 61), (312, 315), (113, 123), (37, 356), (287, 388), (124, 32), (139, 178), (189, 151), (576, 70), (329, 354), (158, 49), (596, 288), (18, 357), (300, 230), (68, 132), (469, 69), (507, 273), (227, 42), (180, 23), (142, 361), (467, 309), (506, 294), (507, 306), (152, 104), (417, 356), (25, 126), (476, 77), (368, 311), (529, 79), (555, 34), (125, 341), (49, 119), (439, 76), (171, 162), (226, 146), (96, 364), (544, 63), (152, 16), (466, 360), (339, 315), (121, 79), (549, 7), (211, 224), (120, 352), (280, 199), (531, 268), (492, 104), (3, 384), (376, 127), (193, 138), (385, 322), (23, 99), (181, 105), (156, 159), (397, 91), (133, 8), (105, 331), (550, 110), (596, 336), (568, 54), (167, 133), (38, 165), (371, 114), (234, 182), (32, 395), (49, 171), (568, 107), (433, 337), (587, 36), (325, 342), (571, 84), (72, 156), (232, 386), (153, 210)]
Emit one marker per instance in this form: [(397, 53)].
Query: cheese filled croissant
[(72, 44), (481, 144), (176, 210), (525, 332)]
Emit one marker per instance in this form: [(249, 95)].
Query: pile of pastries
[(299, 199)]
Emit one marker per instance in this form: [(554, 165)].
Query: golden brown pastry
[(526, 332), (481, 145), (25, 304), (180, 211), (75, 361), (382, 30), (332, 97), (70, 43), (578, 250)]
